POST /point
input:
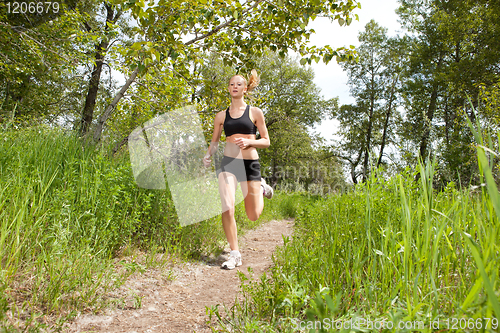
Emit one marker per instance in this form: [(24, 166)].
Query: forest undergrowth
[(70, 213), (392, 255), (389, 252)]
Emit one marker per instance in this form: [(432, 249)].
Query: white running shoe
[(268, 190), (233, 261)]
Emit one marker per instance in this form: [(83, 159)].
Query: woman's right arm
[(218, 125)]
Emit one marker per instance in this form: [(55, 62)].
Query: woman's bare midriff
[(233, 150)]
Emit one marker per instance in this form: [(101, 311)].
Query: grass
[(394, 252), (68, 213)]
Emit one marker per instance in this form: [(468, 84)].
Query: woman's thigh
[(254, 202), (227, 189)]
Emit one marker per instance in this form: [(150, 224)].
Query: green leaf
[(156, 55), (492, 297), (136, 46), (303, 61), (472, 294)]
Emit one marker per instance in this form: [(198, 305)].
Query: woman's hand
[(207, 161), (242, 143)]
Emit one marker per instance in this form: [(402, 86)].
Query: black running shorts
[(248, 170)]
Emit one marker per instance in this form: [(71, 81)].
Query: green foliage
[(369, 126), (44, 74), (410, 90), (236, 30), (67, 210), (489, 97), (293, 105), (178, 35), (391, 250), (39, 59), (288, 92), (156, 93), (452, 55)]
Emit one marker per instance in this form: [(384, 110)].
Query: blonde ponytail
[(253, 80)]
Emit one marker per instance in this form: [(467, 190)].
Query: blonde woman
[(240, 163)]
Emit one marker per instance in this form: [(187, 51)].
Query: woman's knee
[(228, 210), (253, 215)]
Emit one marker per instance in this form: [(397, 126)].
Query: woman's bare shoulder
[(220, 116), (256, 112)]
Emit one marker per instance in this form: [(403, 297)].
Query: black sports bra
[(241, 125)]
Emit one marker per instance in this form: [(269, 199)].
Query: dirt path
[(178, 305)]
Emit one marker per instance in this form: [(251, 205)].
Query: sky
[(330, 78)]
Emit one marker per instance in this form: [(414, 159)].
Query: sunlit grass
[(68, 211), (393, 251)]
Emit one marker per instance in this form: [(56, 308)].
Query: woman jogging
[(240, 163)]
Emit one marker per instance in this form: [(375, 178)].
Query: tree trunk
[(120, 144), (368, 137), (429, 116), (107, 113), (353, 174), (386, 122), (95, 78), (354, 164), (428, 122), (7, 92), (274, 179), (447, 123), (90, 100)]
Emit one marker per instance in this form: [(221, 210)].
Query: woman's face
[(237, 86)]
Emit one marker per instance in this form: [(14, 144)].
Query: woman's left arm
[(260, 122)]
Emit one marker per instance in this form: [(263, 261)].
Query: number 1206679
[(40, 7)]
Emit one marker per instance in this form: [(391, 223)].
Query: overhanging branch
[(222, 26)]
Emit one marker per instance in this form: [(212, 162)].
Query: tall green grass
[(66, 213), (391, 251)]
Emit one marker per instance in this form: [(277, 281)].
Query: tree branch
[(222, 26), (107, 113)]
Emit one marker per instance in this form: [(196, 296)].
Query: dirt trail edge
[(178, 305)]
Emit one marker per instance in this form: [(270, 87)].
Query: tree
[(38, 13), (293, 104), (26, 57), (374, 82), (177, 34), (453, 53), (288, 90), (42, 61), (393, 59), (112, 16)]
